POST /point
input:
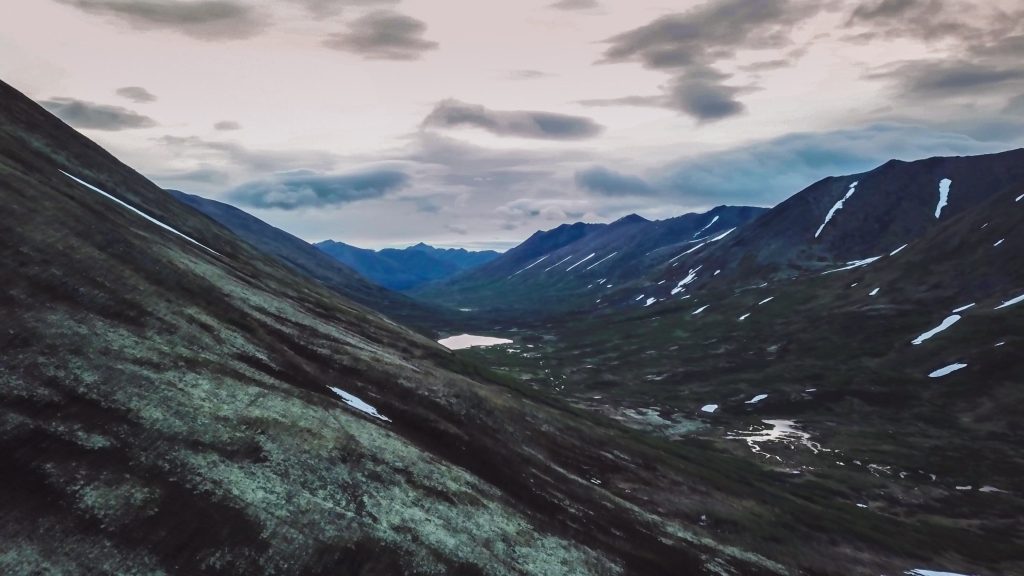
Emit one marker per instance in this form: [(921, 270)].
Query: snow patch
[(766, 300), (744, 317), (1011, 302), (468, 340), (852, 265), (709, 408), (358, 404), (836, 208), (947, 370), (710, 224), (690, 277), (600, 261), (945, 324), (542, 258), (898, 250), (998, 243), (650, 301), (581, 262), (785, 431), (562, 261), (722, 235), (139, 212), (699, 310), (874, 292), (756, 399), (943, 196)]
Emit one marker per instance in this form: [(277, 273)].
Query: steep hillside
[(552, 271), (835, 221), (176, 402), (307, 259), (407, 268), (896, 381)]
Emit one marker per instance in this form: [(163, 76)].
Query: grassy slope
[(309, 260), (872, 399), (165, 410)]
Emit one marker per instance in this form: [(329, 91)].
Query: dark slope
[(307, 259), (552, 270), (407, 268), (834, 353), (892, 205), (167, 409)]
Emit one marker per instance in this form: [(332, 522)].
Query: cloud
[(767, 172), (690, 45), (201, 175), (550, 209), (657, 101), (202, 19), (136, 94), (605, 182), (326, 8), (705, 99), (945, 78), (962, 21), (517, 123), (977, 46), (383, 35), (82, 114), (227, 125), (307, 189), (527, 74), (575, 4), (1016, 105), (240, 157)]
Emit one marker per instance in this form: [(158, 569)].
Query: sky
[(474, 123)]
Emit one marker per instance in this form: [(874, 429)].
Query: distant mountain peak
[(630, 219)]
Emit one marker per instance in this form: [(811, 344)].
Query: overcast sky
[(476, 122)]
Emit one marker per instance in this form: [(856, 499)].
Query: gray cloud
[(965, 21), (242, 158), (655, 101), (202, 175), (383, 35), (605, 182), (983, 39), (767, 172), (82, 114), (202, 19), (575, 4), (691, 44), (527, 74), (1015, 105), (136, 94), (938, 79), (705, 98), (227, 125), (307, 189), (518, 123), (325, 8)]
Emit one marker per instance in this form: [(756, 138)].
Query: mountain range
[(552, 270), (407, 268), (175, 401), (307, 259), (829, 386)]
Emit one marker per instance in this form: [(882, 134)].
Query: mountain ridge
[(405, 268)]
